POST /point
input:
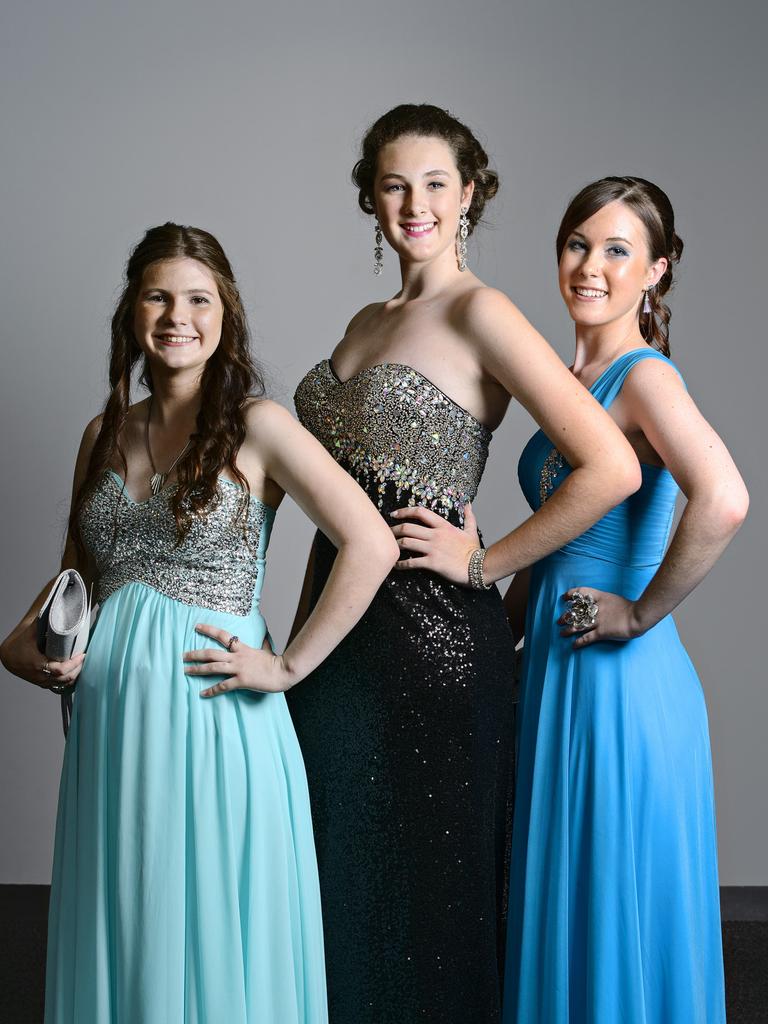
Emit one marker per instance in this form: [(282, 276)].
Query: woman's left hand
[(442, 547), (245, 667), (616, 618)]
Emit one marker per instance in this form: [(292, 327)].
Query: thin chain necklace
[(157, 480)]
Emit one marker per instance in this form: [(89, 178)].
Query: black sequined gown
[(407, 729)]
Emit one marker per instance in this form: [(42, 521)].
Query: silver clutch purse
[(63, 626)]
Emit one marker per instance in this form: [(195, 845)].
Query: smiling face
[(418, 196), (605, 267), (178, 314)]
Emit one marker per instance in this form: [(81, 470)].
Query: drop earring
[(647, 303), (461, 239), (378, 251)]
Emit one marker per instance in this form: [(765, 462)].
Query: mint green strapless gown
[(184, 881)]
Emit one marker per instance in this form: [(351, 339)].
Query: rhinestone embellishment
[(216, 566), (552, 465), (397, 434)]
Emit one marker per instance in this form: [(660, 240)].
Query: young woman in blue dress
[(184, 879), (614, 885), (614, 902)]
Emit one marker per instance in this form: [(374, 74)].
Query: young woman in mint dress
[(184, 880), (614, 900)]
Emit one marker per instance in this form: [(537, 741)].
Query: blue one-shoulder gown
[(613, 908)]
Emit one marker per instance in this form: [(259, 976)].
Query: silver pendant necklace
[(157, 480)]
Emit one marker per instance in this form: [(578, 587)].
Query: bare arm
[(366, 553), (18, 652), (605, 469), (302, 608), (655, 401)]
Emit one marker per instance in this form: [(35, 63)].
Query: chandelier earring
[(647, 303), (461, 239), (378, 249)]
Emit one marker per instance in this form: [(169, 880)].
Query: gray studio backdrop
[(244, 118)]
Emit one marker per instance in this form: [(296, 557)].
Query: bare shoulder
[(651, 379), (654, 373), (362, 315), (484, 311), (92, 429), (265, 419), (89, 437), (653, 393), (87, 442), (489, 322), (265, 414)]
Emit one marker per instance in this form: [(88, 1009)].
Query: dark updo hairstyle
[(427, 121), (654, 209), (228, 379)]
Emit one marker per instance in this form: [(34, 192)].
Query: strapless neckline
[(409, 369)]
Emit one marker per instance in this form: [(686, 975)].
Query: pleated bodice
[(635, 532)]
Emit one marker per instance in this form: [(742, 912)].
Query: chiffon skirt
[(614, 900), (184, 882)]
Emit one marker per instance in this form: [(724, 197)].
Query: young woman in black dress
[(407, 728)]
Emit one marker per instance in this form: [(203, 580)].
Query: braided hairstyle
[(426, 121), (654, 209)]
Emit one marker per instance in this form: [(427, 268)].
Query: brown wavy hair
[(426, 120), (654, 209), (229, 379)]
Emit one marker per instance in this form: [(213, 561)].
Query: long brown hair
[(229, 378), (654, 209), (427, 121)]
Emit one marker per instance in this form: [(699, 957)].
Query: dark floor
[(23, 911)]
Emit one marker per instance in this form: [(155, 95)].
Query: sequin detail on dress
[(407, 729), (135, 542), (389, 425), (550, 468)]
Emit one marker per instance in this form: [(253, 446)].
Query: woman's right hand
[(20, 655), (19, 652)]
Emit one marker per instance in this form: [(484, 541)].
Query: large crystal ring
[(233, 641), (583, 611)]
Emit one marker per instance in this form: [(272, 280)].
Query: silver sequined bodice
[(216, 566), (397, 434)]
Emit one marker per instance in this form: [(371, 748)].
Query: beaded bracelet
[(475, 570)]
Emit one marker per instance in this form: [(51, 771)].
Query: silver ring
[(583, 611), (232, 641), (46, 669)]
